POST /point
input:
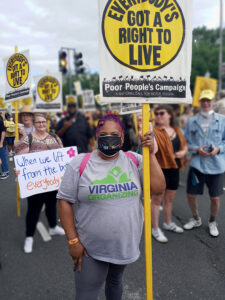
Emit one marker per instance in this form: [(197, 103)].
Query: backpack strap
[(54, 135), (30, 139), (132, 157), (84, 162), (87, 156)]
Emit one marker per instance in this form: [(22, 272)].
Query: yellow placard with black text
[(145, 51), (17, 70), (48, 92)]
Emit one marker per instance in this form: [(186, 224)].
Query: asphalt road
[(190, 266)]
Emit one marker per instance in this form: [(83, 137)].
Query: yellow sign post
[(147, 206), (17, 138)]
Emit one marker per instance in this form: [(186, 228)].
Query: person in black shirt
[(74, 130), (3, 152)]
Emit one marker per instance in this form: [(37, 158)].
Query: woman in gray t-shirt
[(105, 232)]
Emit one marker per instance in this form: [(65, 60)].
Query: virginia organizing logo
[(116, 185)]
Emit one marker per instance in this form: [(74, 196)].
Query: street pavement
[(190, 266)]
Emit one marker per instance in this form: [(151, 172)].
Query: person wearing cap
[(3, 152), (205, 135), (26, 116), (74, 129), (10, 133)]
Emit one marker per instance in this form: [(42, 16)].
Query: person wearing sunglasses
[(39, 140), (172, 149)]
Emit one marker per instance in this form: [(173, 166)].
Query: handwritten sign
[(42, 172)]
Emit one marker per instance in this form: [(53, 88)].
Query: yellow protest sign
[(2, 104), (26, 101), (71, 99), (143, 35), (203, 83), (48, 88), (17, 70)]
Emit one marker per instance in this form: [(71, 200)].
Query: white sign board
[(48, 92), (42, 172), (130, 108), (89, 100), (17, 70), (145, 51)]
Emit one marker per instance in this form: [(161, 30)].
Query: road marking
[(43, 232)]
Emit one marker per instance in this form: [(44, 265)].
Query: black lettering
[(134, 35), (167, 36), (166, 5), (142, 35), (157, 20), (140, 18), (115, 16), (147, 13), (140, 55), (158, 3), (160, 31), (150, 30), (123, 3), (122, 35), (147, 54), (132, 60), (156, 55), (169, 18), (117, 8), (131, 18)]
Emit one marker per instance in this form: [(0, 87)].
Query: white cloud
[(44, 26)]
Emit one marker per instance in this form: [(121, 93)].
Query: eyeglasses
[(159, 113), (39, 123), (26, 115)]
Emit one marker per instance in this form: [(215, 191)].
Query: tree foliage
[(205, 52)]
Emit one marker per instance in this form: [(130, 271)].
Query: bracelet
[(73, 241)]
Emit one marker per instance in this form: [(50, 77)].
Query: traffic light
[(78, 63), (62, 62)]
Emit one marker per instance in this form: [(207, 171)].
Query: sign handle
[(17, 139), (48, 115), (147, 206)]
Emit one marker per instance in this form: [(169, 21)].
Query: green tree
[(205, 52)]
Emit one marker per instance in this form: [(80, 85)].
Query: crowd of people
[(105, 180)]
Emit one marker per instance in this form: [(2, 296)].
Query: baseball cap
[(207, 94)]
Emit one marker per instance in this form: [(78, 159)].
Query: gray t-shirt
[(109, 215)]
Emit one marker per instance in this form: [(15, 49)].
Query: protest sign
[(42, 172), (48, 92), (3, 106), (88, 100), (17, 69), (130, 108), (145, 51), (77, 87), (203, 83)]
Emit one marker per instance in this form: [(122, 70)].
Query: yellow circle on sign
[(48, 88), (17, 70), (143, 36)]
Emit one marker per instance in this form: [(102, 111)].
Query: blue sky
[(43, 26)]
